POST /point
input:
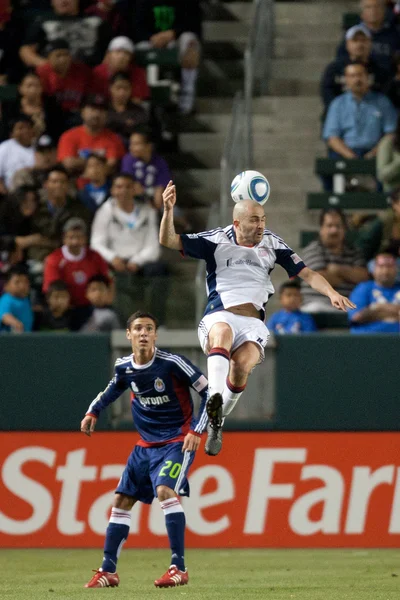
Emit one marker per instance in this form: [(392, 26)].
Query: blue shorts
[(148, 468)]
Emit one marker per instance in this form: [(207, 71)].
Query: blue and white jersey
[(239, 274), (162, 407)]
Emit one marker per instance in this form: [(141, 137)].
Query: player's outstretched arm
[(321, 285), (168, 236)]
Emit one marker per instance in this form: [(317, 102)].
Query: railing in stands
[(238, 148)]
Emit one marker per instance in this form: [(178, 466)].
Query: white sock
[(230, 397), (217, 370), (189, 78)]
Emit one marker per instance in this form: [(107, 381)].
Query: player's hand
[(341, 302), (191, 442), (169, 196), (88, 424)]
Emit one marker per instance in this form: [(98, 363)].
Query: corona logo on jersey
[(263, 490)]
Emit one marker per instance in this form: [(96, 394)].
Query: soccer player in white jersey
[(239, 260)]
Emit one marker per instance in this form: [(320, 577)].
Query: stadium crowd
[(81, 176)]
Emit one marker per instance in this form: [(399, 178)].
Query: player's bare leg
[(243, 361), (220, 342), (116, 535), (175, 524)]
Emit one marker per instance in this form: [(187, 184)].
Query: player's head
[(75, 235), (98, 291), (249, 222), (290, 295), (142, 332), (17, 282), (385, 269), (58, 297)]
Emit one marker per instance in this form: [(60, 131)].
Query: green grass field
[(214, 574)]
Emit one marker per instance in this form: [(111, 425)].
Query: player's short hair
[(141, 314), (292, 284), (145, 131), (57, 286), (331, 210), (16, 271), (99, 279)]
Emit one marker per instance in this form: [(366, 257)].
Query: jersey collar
[(147, 365)]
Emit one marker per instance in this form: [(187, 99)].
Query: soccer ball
[(250, 185)]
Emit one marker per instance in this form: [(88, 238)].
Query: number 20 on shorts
[(174, 469)]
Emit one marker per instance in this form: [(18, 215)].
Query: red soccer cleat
[(172, 578), (103, 579)]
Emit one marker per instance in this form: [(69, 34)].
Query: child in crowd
[(290, 319), (103, 317), (57, 315), (94, 184), (15, 306)]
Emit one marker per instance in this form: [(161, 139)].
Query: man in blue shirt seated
[(377, 301), (358, 119), (290, 319)]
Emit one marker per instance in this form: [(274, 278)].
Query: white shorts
[(244, 329)]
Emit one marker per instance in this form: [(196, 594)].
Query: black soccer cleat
[(214, 428)]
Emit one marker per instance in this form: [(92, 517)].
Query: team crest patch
[(134, 387), (263, 252), (159, 385)]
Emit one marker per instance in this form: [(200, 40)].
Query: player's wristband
[(91, 415), (196, 433)]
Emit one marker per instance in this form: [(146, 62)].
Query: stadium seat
[(331, 320), (163, 57), (350, 19), (348, 201), (8, 93), (306, 237), (153, 59), (345, 166)]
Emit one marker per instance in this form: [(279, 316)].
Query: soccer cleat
[(172, 578), (214, 428), (103, 579)]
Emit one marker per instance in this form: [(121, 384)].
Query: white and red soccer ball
[(250, 185)]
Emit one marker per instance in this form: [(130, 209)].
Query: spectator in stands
[(393, 88), (116, 14), (123, 114), (92, 137), (385, 37), (16, 314), (377, 301), (56, 207), (11, 68), (125, 233), (94, 184), (65, 79), (145, 166), (342, 265), (44, 112), (359, 46), (45, 158), (385, 230), (169, 23), (358, 119), (88, 36), (103, 317), (120, 59), (74, 263), (388, 160), (290, 319), (57, 315), (17, 152)]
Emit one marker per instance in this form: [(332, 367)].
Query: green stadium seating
[(345, 166), (348, 200), (8, 92), (306, 237), (350, 19), (331, 320), (163, 57)]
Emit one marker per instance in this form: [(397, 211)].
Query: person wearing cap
[(64, 78), (359, 47), (45, 158), (120, 59), (169, 23), (79, 142), (74, 263), (358, 119), (88, 36), (16, 152), (378, 301), (384, 33)]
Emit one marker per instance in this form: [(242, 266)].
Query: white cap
[(350, 33), (121, 43)]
